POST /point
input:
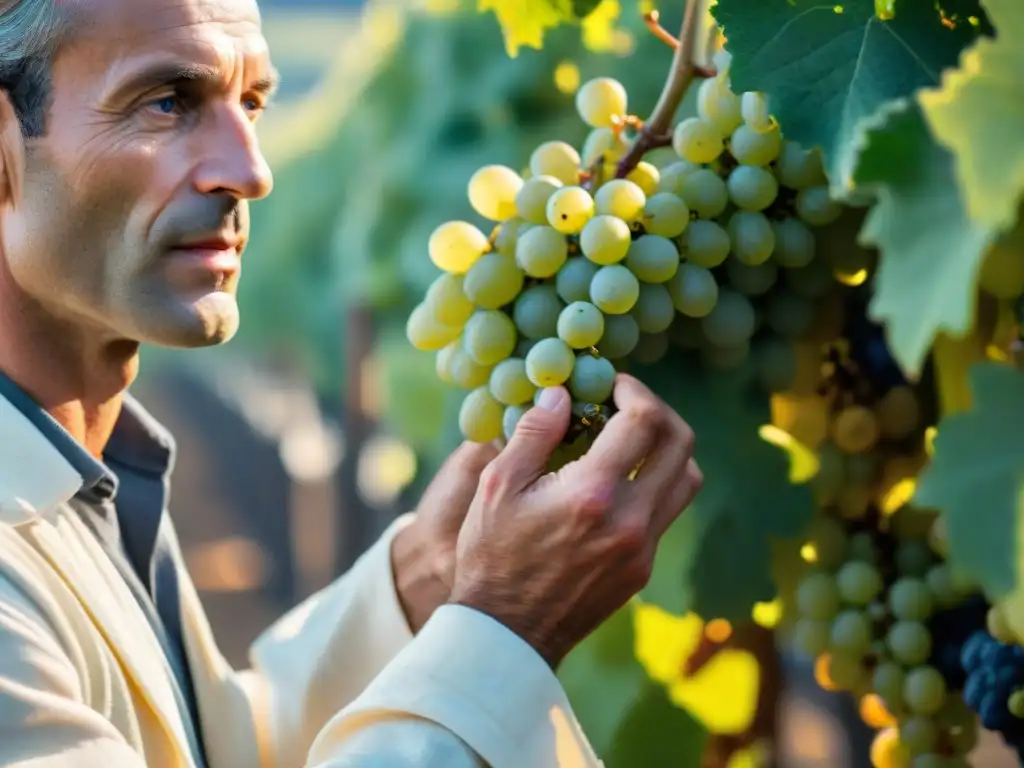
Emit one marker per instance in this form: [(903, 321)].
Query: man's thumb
[(538, 433)]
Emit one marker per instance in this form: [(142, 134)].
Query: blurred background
[(304, 437)]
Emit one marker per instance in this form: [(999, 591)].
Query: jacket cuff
[(471, 675)]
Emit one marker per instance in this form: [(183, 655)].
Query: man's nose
[(233, 162)]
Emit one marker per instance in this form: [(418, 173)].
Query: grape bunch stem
[(656, 130)]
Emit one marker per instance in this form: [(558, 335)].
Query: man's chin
[(205, 322)]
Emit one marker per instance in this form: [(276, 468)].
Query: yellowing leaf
[(524, 22), (598, 28), (665, 641)]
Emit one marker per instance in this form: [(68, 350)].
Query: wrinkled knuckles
[(639, 572), (646, 416), (631, 539), (591, 505), (493, 484)]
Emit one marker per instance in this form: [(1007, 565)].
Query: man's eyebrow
[(181, 73)]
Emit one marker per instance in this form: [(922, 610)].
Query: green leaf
[(976, 479), (979, 114), (414, 398), (524, 22), (826, 67), (656, 732), (930, 250)]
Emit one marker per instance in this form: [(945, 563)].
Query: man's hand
[(423, 554), (553, 556)]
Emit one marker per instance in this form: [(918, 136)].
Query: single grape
[(910, 599), (492, 192), (794, 243), (660, 157), (510, 419), (999, 627), (798, 168), (447, 300), (863, 548), (467, 372), (652, 258), (751, 236), (489, 336), (940, 582), (424, 331), (480, 417), (752, 188), (509, 383), (650, 348), (697, 140), (614, 289), (621, 334), (605, 239), (776, 363), (600, 101), (815, 206), (532, 199), (580, 325), (573, 280), (887, 751), (732, 320), (705, 243), (920, 734), (646, 176), (789, 315), (817, 597), (924, 690), (828, 536), (603, 144), (717, 104), (851, 632), (899, 413), (549, 363), (811, 637), (887, 682), (542, 251), (557, 159), (859, 583), (846, 670), (444, 360), (909, 642), (508, 232), (751, 279), (654, 310), (456, 245), (493, 281), (855, 429), (621, 198), (751, 147), (705, 193), (694, 290), (671, 178), (665, 214), (569, 209), (754, 108), (592, 379), (536, 311), (914, 557)]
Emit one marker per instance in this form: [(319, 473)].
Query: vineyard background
[(322, 423)]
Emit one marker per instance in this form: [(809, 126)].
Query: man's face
[(134, 208)]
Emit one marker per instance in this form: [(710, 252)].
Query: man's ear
[(12, 152)]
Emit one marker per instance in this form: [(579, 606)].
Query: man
[(127, 159)]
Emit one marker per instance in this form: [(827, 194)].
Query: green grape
[(614, 289), (671, 179), (569, 208), (467, 372), (1015, 704), (732, 320), (580, 325), (653, 258), (444, 360), (492, 192), (706, 243), (776, 363), (754, 108), (798, 168), (829, 539), (933, 760), (603, 143), (480, 416), (717, 104), (542, 251), (646, 176), (705, 193), (592, 379), (924, 690), (573, 280), (532, 200), (999, 627), (859, 583), (751, 237), (694, 290), (813, 281), (752, 188), (863, 548), (605, 239), (621, 198), (456, 245), (817, 597), (650, 348), (686, 333), (811, 637), (660, 157), (489, 336), (600, 101), (794, 243), (697, 140), (536, 312), (425, 333), (621, 335), (550, 363), (751, 279), (789, 315), (509, 383), (510, 419), (887, 682), (447, 301), (1002, 268), (846, 670), (851, 632), (914, 558), (508, 232), (910, 599), (751, 147), (920, 734), (494, 281), (557, 159), (815, 206), (910, 642), (666, 215), (726, 358), (654, 310)]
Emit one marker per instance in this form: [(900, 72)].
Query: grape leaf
[(930, 251), (524, 22), (978, 113), (976, 479), (827, 67)]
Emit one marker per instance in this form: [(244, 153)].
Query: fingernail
[(551, 398)]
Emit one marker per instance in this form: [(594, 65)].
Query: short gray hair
[(29, 33)]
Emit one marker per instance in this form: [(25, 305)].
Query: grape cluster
[(709, 245)]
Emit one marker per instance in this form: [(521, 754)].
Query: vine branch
[(656, 130)]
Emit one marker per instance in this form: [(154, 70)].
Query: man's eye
[(166, 105)]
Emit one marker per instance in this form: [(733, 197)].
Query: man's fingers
[(538, 433), (668, 459), (630, 435), (676, 498)]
